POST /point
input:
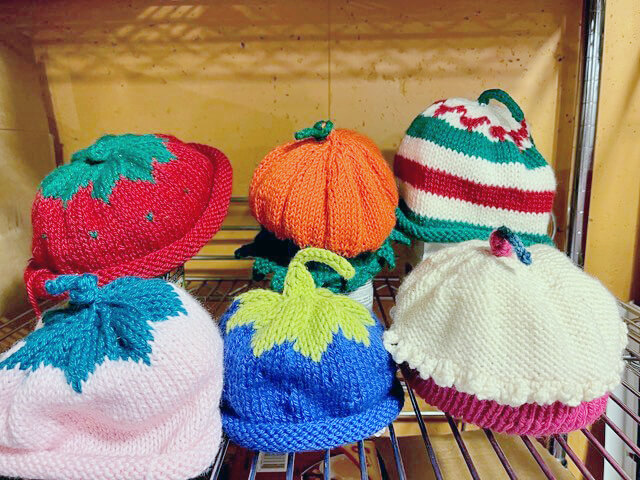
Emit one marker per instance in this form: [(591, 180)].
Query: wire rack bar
[(594, 441), (621, 435), (574, 458), (327, 465), (463, 448), (254, 466), (631, 389), (364, 473), (625, 408), (538, 458), (501, 456), (396, 453), (291, 458), (217, 464)]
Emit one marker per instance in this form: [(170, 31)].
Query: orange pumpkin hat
[(329, 189)]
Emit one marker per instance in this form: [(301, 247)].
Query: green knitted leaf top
[(272, 256)]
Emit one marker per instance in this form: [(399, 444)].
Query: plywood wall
[(245, 75), (26, 154)]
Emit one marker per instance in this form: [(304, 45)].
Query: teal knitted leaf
[(112, 322), (103, 164)]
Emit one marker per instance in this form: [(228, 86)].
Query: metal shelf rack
[(217, 294), (621, 426)]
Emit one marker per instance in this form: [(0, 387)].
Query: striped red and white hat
[(466, 167)]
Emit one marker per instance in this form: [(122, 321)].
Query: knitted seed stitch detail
[(128, 244), (467, 167), (545, 313), (272, 256), (335, 192), (306, 316)]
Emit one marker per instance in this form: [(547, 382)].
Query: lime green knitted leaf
[(303, 315), (104, 163)]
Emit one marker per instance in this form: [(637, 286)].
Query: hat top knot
[(319, 131), (504, 243), (83, 289), (113, 322)]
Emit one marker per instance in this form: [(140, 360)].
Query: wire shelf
[(216, 295)]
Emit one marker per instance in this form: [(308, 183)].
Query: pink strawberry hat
[(124, 383), (504, 337)]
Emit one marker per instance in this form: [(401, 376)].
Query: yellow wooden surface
[(245, 75), (613, 249), (26, 154)]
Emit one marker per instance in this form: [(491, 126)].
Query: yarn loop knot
[(299, 278), (83, 289)]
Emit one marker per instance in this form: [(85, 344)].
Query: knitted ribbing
[(493, 327), (443, 231), (527, 419), (467, 167), (334, 192), (272, 256), (305, 369), (147, 359), (128, 205)]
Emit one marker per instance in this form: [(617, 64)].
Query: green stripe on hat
[(430, 229), (473, 144)]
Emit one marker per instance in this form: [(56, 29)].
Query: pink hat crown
[(122, 383)]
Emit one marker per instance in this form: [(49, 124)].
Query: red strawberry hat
[(136, 205)]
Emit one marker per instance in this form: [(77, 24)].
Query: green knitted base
[(445, 231), (272, 256)]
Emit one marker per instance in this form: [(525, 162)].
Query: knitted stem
[(501, 238), (299, 279), (319, 131), (82, 289), (504, 98)]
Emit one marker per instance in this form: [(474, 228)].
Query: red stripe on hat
[(447, 185)]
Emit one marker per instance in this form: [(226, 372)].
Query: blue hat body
[(280, 395)]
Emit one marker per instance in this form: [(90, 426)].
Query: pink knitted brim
[(528, 419), (56, 465)]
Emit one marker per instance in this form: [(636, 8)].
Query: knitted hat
[(305, 369), (127, 205), (467, 167), (272, 256), (329, 189), (515, 340), (122, 384)]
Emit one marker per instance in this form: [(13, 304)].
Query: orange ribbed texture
[(338, 194)]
